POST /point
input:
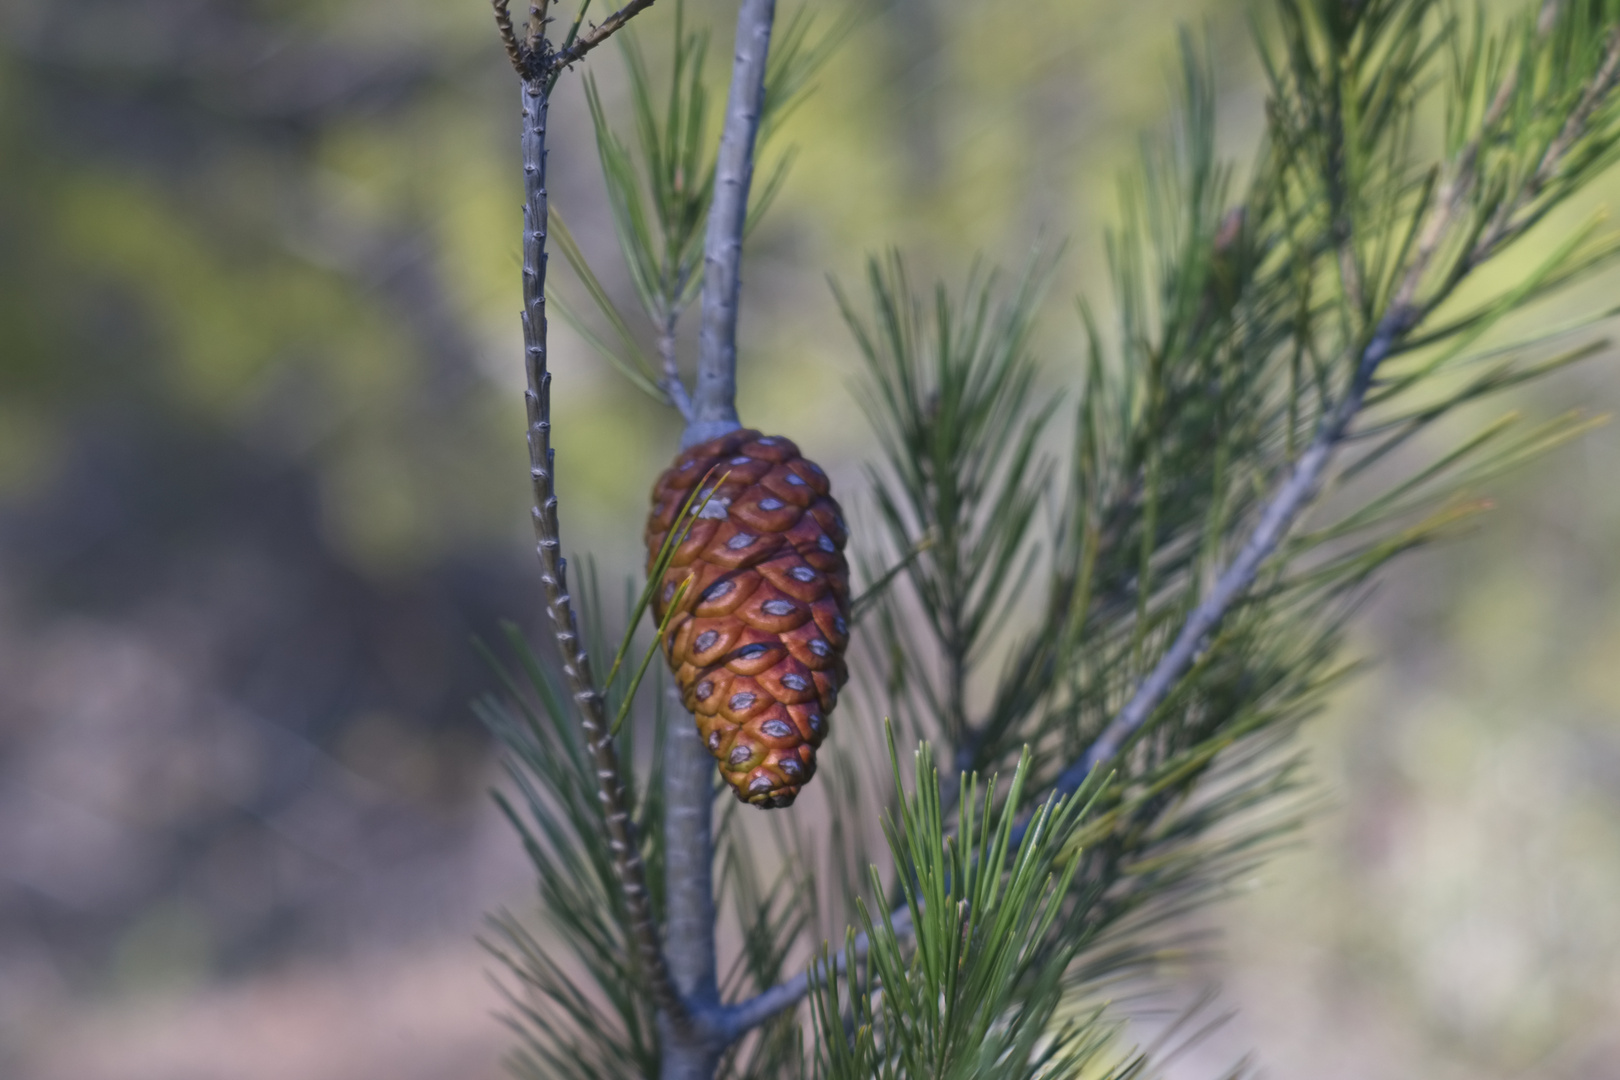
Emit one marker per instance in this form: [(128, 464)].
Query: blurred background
[(262, 484)]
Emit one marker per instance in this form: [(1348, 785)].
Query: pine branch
[(1403, 314), (673, 386), (713, 411), (553, 568), (1230, 677), (715, 400), (688, 772), (737, 1020), (1284, 508)]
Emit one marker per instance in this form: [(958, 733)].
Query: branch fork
[(534, 57)]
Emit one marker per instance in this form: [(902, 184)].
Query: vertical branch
[(715, 401), (554, 569), (671, 383), (689, 900), (688, 768), (688, 793)]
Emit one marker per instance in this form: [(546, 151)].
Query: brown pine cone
[(757, 645)]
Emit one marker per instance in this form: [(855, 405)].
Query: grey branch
[(1302, 485), (714, 404), (674, 389), (1297, 492), (689, 900), (692, 1054), (554, 569), (741, 1018), (1303, 482)]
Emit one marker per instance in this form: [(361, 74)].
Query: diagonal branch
[(554, 569), (1304, 481), (1296, 493), (599, 33), (1403, 314), (737, 1020), (1506, 225)]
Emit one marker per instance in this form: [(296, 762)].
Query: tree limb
[(674, 389), (554, 569), (714, 403), (688, 768), (737, 1020), (1403, 313), (689, 900)]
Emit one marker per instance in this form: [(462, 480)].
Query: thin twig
[(1465, 173), (535, 44), (599, 33), (554, 569), (736, 1020), (503, 23), (715, 400), (1601, 86), (1301, 487)]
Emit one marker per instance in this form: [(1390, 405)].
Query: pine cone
[(757, 645)]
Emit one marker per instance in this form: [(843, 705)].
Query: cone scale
[(757, 644)]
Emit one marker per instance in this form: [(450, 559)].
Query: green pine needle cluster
[(660, 183), (1268, 418), (971, 989), (576, 1003)]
